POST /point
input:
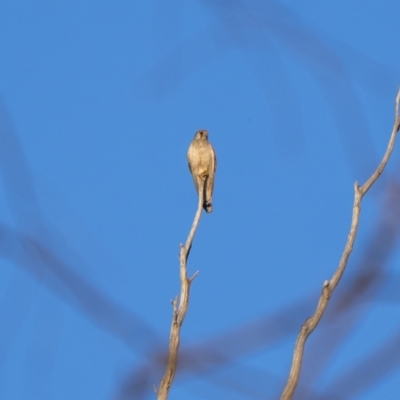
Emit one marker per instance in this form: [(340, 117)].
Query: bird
[(202, 165)]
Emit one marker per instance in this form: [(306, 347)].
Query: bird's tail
[(207, 202), (207, 205)]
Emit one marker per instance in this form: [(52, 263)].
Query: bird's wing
[(215, 159)]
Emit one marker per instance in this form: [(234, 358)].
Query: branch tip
[(193, 276), (174, 302)]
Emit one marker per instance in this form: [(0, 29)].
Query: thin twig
[(179, 312), (329, 286)]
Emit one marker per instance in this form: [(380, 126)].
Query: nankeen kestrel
[(202, 165)]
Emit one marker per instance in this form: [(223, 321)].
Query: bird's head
[(201, 135)]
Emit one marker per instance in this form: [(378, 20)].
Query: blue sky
[(99, 102)]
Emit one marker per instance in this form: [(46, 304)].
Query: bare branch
[(329, 286), (369, 281), (179, 312)]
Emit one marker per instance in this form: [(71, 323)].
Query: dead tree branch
[(179, 312), (329, 286)]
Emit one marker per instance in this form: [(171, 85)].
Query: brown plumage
[(202, 165)]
